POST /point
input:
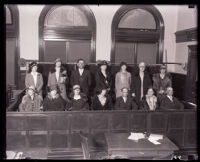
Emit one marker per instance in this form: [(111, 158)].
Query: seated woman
[(170, 102), (125, 102), (149, 101), (102, 100), (78, 100), (53, 101), (31, 101)]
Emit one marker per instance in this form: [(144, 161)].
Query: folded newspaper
[(136, 136), (154, 138)]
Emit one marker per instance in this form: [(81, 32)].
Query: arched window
[(137, 35), (68, 32), (11, 15)]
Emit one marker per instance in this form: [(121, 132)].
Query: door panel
[(79, 49), (146, 52), (124, 52), (10, 61), (55, 49)]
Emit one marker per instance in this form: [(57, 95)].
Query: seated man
[(169, 101), (31, 101), (53, 101), (125, 102)]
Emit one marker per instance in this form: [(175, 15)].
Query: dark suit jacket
[(136, 85), (101, 80), (166, 103), (129, 105), (84, 81), (57, 104), (96, 105)]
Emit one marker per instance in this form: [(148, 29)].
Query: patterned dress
[(122, 80)]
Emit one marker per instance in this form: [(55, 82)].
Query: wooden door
[(192, 74)]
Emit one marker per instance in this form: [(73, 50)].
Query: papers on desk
[(136, 136), (154, 138)]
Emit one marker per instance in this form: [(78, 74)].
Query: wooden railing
[(60, 129)]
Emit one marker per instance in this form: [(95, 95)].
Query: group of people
[(132, 92)]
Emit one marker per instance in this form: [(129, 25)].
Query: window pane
[(147, 52), (138, 19), (124, 52), (55, 49), (8, 16), (66, 16), (79, 49)]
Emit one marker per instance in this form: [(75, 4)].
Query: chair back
[(84, 144), (18, 99)]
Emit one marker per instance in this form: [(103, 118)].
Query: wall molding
[(186, 35)]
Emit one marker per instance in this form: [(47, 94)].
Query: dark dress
[(166, 103), (56, 104), (136, 85), (77, 105), (129, 105), (83, 80), (96, 104), (102, 81), (145, 106)]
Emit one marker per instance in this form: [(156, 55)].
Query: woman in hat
[(53, 101), (122, 79), (161, 81), (31, 101), (102, 100), (79, 100), (34, 78), (103, 78), (58, 76)]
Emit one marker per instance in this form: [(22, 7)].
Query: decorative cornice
[(186, 35)]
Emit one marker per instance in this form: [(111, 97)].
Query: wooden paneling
[(138, 121), (120, 121), (186, 35), (178, 84), (37, 123), (17, 123), (58, 140), (15, 140), (60, 129)]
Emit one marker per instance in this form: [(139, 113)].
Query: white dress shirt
[(81, 71), (170, 97), (125, 99), (57, 73)]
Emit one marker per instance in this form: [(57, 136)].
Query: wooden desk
[(120, 145)]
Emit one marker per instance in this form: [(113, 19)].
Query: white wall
[(187, 18), (28, 31), (169, 14), (29, 36), (104, 15)]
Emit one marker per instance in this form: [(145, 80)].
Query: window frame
[(67, 33), (138, 35), (12, 32)]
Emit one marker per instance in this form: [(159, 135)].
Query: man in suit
[(140, 83), (169, 101), (81, 77), (125, 102)]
